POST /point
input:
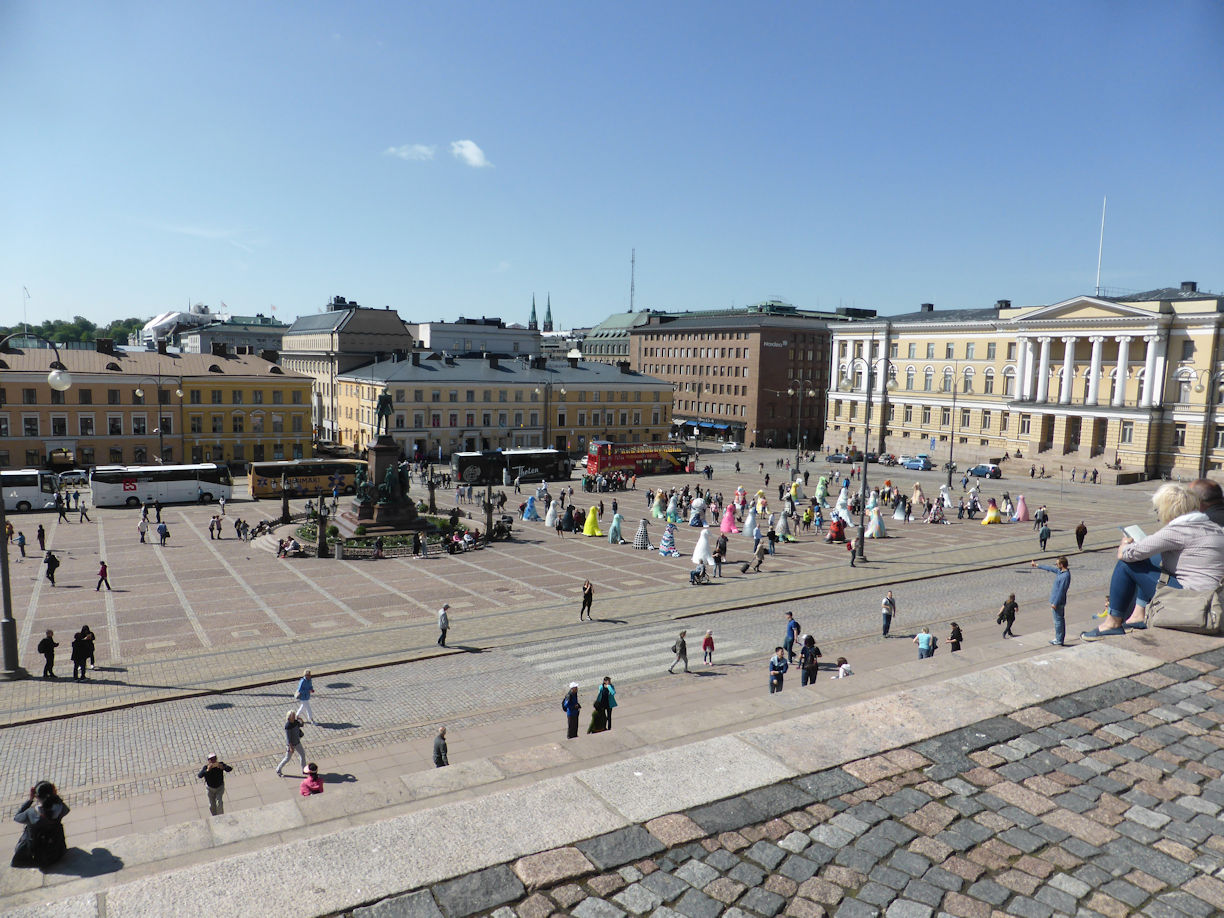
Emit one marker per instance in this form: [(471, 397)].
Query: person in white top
[(888, 608), (843, 669)]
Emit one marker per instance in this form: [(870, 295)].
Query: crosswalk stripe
[(647, 635)]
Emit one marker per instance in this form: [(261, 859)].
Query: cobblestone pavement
[(1105, 802), (119, 754)]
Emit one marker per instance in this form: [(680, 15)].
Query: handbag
[(1196, 611)]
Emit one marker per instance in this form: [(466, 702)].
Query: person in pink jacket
[(312, 783)]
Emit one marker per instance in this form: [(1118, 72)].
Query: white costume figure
[(917, 497), (945, 495), (671, 509), (697, 512), (872, 499), (750, 522), (842, 507), (796, 488), (783, 530), (702, 553), (875, 525), (899, 513), (550, 518)]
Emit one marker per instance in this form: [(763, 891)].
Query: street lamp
[(546, 387), (847, 385), (161, 436), (956, 382), (799, 387), (60, 380)]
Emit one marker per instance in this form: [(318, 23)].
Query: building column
[(1094, 370), (1068, 375), (1158, 380), (835, 368), (1043, 371), (1022, 358), (1030, 364), (1149, 371), (1123, 368), (866, 365)]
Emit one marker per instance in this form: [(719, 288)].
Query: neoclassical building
[(1135, 380)]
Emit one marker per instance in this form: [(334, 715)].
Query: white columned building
[(1043, 372), (1068, 371), (1094, 370), (1123, 368)]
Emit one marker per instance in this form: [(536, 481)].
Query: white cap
[(573, 685), (212, 755)]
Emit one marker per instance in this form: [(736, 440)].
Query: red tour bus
[(635, 458)]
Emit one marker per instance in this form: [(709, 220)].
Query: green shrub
[(360, 530)]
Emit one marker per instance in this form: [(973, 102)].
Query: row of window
[(29, 396), (140, 455), (502, 395), (706, 353), (736, 411), (597, 419), (668, 370), (139, 425)]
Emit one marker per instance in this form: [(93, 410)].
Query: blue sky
[(453, 158)]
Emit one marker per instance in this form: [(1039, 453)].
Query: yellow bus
[(303, 477)]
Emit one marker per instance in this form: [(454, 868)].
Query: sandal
[(1097, 633)]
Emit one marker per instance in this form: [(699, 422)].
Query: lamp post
[(847, 385), (60, 380), (952, 419), (799, 387), (161, 436), (546, 386)]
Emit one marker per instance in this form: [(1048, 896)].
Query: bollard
[(338, 545)]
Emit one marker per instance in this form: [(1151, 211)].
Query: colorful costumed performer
[(673, 513), (783, 529), (592, 523), (899, 512), (822, 491), (992, 513), (796, 488), (728, 521), (917, 496), (641, 539), (614, 531), (1022, 510), (668, 546), (875, 525), (750, 522), (697, 512), (945, 495), (529, 512), (567, 521), (658, 511)]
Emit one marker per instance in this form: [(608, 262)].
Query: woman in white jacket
[(1189, 547)]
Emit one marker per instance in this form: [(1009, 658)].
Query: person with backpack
[(605, 701), (1007, 615), (53, 564), (47, 648), (571, 706), (809, 661), (42, 841)]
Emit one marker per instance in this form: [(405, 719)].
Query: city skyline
[(450, 160)]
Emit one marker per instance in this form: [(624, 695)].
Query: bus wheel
[(133, 501), (350, 490), (23, 506), (206, 498)]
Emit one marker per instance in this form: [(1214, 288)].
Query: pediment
[(1090, 307)]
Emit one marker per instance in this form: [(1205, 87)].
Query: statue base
[(398, 513)]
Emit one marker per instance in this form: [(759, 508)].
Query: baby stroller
[(699, 575)]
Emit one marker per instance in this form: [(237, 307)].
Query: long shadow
[(612, 621), (465, 648), (81, 863), (333, 777), (336, 725)]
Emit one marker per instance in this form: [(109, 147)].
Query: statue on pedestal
[(383, 413)]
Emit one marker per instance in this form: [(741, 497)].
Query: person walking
[(441, 760), (163, 533), (305, 689), (53, 564), (1043, 536), (143, 528), (1007, 615), (41, 536), (83, 513), (87, 642), (571, 706), (157, 509), (707, 649), (788, 641), (809, 661), (42, 840), (588, 596), (758, 557), (888, 608), (80, 656), (213, 774), (311, 782), (47, 648), (1058, 595), (293, 742), (443, 624), (21, 544), (777, 670), (61, 507), (926, 643), (1080, 531), (680, 649), (102, 576), (954, 638)]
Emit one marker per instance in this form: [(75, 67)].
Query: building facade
[(1134, 380), (477, 336), (756, 375), (257, 332), (340, 339), (125, 406), (444, 403)]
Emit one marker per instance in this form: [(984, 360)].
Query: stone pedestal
[(391, 508)]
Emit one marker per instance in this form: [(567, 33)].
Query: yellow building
[(125, 406), (472, 403), (1133, 380)]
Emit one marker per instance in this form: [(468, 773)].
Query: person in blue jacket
[(777, 669), (792, 633), (1058, 596)]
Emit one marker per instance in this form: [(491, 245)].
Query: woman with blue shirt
[(926, 643)]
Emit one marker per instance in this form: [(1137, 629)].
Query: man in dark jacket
[(439, 751), (571, 706), (213, 774), (47, 648)]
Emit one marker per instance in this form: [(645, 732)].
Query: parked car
[(919, 464), (837, 458), (73, 477), (904, 458), (873, 457), (731, 447), (888, 459), (986, 470)]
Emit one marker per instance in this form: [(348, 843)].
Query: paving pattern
[(1106, 802)]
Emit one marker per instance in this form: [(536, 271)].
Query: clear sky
[(453, 158)]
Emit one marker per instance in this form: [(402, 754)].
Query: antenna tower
[(632, 275)]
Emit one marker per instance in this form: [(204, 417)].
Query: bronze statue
[(389, 482), (383, 411)]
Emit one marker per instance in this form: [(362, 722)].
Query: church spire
[(548, 325), (531, 323)]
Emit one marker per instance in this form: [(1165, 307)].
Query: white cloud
[(502, 267), (468, 152), (414, 151)]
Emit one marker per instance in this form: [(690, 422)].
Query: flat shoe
[(1135, 626), (1097, 633)]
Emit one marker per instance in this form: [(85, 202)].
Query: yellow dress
[(992, 514), (592, 523)]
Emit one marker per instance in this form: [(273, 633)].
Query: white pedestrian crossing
[(643, 653)]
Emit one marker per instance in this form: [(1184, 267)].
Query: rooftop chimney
[(1003, 304), (269, 355), (492, 361), (573, 362), (416, 358), (218, 349), (927, 307), (624, 365), (1189, 287), (161, 345), (105, 345)]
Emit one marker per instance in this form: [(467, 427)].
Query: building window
[(1025, 424), (909, 378), (197, 424), (4, 430), (893, 350), (454, 418), (967, 385), (1183, 389), (57, 398), (236, 397), (912, 350), (257, 424), (257, 397), (928, 378), (926, 416), (1009, 383), (1004, 417), (239, 424), (114, 426), (1187, 350), (945, 417), (964, 417), (297, 396), (988, 382), (195, 397), (218, 424), (33, 457), (295, 423), (59, 426), (116, 455), (140, 455), (85, 396), (140, 426), (930, 351), (969, 349), (216, 396), (86, 425), (1179, 436), (946, 386), (990, 350), (1011, 350), (909, 414), (435, 419), (985, 420), (278, 397), (86, 456), (1219, 439), (949, 351), (29, 396)]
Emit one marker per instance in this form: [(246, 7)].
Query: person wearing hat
[(213, 774), (571, 706), (443, 624)]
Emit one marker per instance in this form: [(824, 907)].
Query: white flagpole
[(1101, 245)]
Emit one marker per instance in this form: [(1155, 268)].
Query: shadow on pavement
[(81, 863)]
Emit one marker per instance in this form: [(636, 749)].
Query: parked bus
[(133, 485), (304, 477), (28, 489), (502, 466), (635, 458)]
